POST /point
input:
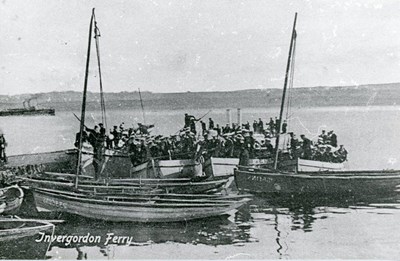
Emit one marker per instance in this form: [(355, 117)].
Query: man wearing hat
[(203, 127), (306, 147), (271, 125), (210, 124), (260, 125), (322, 138), (116, 136), (97, 142), (244, 156), (332, 139), (3, 145)]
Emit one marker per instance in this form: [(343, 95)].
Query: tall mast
[(83, 109), (141, 103), (102, 101), (284, 89)]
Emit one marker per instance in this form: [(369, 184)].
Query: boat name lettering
[(259, 178), (54, 203)]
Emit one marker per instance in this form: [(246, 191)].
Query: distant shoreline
[(363, 95)]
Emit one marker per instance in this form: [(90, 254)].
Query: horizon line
[(177, 92)]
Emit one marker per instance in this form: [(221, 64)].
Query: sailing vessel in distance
[(28, 110)]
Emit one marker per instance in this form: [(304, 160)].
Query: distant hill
[(363, 95)]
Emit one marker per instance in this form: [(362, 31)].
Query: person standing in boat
[(189, 119), (218, 129), (271, 126), (284, 126), (203, 127), (3, 145), (260, 126), (193, 127), (342, 154), (332, 139), (116, 136), (293, 146), (78, 136), (97, 143), (306, 147), (322, 138), (210, 124), (255, 126), (122, 127), (244, 156), (102, 132)]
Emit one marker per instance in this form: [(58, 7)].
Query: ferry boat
[(28, 110)]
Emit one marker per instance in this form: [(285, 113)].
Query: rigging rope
[(290, 98), (102, 101)]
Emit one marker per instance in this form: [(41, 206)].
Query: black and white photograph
[(200, 129)]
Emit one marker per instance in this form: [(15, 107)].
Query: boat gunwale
[(324, 175), (150, 204)]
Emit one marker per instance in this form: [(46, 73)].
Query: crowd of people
[(230, 141)]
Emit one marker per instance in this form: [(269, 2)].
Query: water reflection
[(287, 214), (225, 230), (305, 210)]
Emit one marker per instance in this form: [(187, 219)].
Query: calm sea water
[(267, 228)]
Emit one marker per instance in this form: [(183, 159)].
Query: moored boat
[(125, 209), (291, 174), (179, 185), (15, 233), (56, 161), (338, 183), (12, 196), (11, 228)]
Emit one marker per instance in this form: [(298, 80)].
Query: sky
[(198, 45)]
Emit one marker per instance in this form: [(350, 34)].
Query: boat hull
[(30, 228), (220, 167), (27, 112), (132, 186), (55, 161), (302, 165), (167, 169), (15, 233), (119, 212), (339, 183), (12, 197)]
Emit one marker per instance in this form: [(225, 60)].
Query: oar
[(78, 119), (204, 115), (197, 120)]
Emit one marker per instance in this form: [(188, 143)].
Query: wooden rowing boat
[(57, 161), (127, 209), (11, 229), (15, 233), (258, 180), (12, 197), (130, 185)]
